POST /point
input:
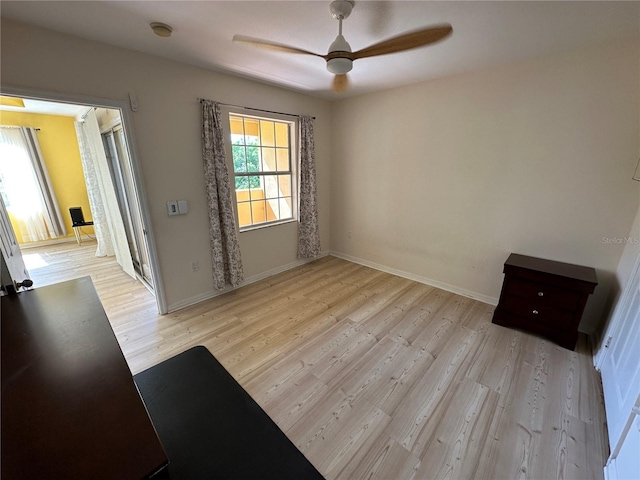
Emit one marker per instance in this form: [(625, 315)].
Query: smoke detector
[(161, 29)]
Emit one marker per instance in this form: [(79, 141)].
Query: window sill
[(266, 225)]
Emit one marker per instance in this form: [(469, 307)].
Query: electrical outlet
[(194, 266)]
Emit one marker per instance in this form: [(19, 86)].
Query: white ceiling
[(485, 34)]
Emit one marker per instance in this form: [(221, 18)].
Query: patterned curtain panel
[(308, 236), (225, 251)]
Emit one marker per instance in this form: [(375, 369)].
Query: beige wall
[(167, 130), (442, 180), (438, 181)]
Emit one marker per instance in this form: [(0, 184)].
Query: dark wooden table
[(70, 408)]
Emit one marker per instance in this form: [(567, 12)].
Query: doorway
[(123, 171)]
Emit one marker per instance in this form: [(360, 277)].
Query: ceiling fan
[(340, 57)]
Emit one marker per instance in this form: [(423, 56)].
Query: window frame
[(294, 125)]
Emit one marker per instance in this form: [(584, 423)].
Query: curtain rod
[(256, 109), (19, 126)]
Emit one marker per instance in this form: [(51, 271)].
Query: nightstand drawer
[(542, 294), (534, 312)]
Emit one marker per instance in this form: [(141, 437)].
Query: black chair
[(78, 221)]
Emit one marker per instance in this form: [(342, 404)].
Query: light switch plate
[(172, 208), (183, 207)]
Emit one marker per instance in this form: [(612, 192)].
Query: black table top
[(212, 428), (70, 408)]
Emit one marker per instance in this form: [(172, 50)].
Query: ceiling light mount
[(341, 9), (161, 29)]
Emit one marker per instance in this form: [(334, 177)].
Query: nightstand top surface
[(585, 274)]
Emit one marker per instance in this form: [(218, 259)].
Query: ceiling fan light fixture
[(340, 57), (161, 29), (339, 66)]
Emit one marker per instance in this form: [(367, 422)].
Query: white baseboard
[(418, 278), (254, 278), (44, 243)]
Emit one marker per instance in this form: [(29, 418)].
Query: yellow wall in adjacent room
[(59, 146)]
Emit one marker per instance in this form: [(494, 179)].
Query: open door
[(15, 276), (620, 370), (116, 149)]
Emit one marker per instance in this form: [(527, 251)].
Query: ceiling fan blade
[(257, 42), (407, 41), (340, 83)]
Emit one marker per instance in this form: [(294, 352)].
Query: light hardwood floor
[(375, 376)]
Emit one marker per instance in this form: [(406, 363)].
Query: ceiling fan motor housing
[(339, 65)]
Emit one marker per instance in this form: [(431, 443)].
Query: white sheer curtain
[(26, 186), (107, 222)]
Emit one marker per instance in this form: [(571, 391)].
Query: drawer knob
[(535, 312), (541, 294)]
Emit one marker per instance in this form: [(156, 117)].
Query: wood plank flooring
[(374, 376)]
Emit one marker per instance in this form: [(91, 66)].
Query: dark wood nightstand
[(544, 297)]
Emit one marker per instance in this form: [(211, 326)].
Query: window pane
[(258, 211), (253, 159), (282, 155), (251, 130), (239, 163), (255, 185), (285, 207), (244, 214), (268, 160), (242, 182), (282, 134), (256, 194), (237, 125), (272, 210), (267, 135), (284, 182), (242, 195), (270, 184)]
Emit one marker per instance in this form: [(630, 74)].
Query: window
[(262, 152), (3, 191), (25, 187)]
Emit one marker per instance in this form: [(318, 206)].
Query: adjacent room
[(411, 249)]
